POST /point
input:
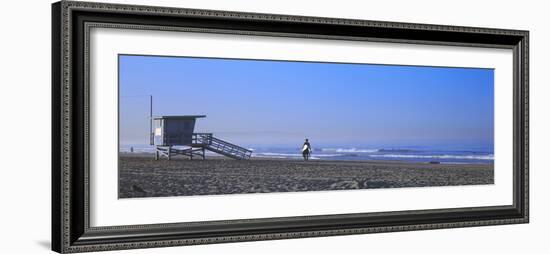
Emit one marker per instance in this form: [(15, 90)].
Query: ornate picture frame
[(71, 24)]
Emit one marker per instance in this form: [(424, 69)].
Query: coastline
[(141, 176)]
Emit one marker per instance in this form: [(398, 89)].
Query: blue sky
[(257, 102)]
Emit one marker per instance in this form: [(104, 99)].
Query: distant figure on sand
[(306, 150)]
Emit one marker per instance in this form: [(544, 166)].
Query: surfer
[(306, 150)]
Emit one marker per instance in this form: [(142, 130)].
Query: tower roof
[(180, 117)]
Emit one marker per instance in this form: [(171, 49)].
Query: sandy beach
[(141, 176)]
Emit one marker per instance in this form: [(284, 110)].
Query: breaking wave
[(349, 150)]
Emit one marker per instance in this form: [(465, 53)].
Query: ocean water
[(393, 154), (410, 153)]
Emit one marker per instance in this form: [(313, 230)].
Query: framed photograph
[(182, 126)]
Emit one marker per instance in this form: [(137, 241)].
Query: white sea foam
[(289, 155), (349, 150), (347, 154)]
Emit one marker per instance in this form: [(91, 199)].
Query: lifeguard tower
[(174, 135)]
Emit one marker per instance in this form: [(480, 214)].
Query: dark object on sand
[(137, 189), (435, 162)]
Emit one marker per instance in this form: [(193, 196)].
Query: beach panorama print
[(211, 126)]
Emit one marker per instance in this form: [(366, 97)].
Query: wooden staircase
[(209, 142)]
